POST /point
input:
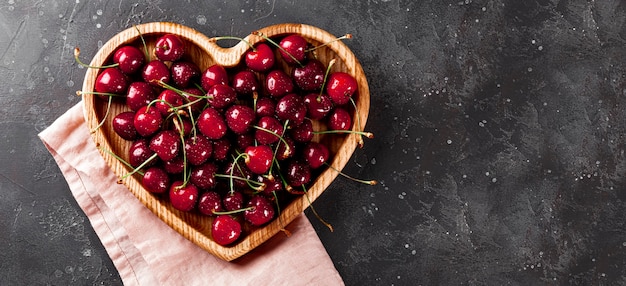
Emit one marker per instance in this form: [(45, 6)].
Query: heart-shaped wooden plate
[(205, 52)]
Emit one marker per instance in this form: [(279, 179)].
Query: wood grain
[(205, 52)]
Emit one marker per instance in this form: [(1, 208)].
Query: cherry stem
[(330, 64), (358, 122), (234, 38), (287, 149), (119, 158), (232, 170), (280, 218), (233, 211), (306, 194), (278, 46), (77, 54), (259, 187), (367, 182), (106, 114), (145, 163), (143, 41), (346, 36)]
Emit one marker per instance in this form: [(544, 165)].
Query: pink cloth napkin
[(146, 251)]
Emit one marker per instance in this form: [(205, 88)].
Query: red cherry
[(213, 75), (155, 180), (315, 154), (278, 83), (198, 149), (262, 211), (211, 124), (111, 80), (203, 176), (268, 123), (209, 203), (298, 174), (147, 121), (174, 166), (239, 118), (339, 119), (303, 132), (259, 158), (139, 152), (167, 100), (183, 198), (195, 95), (310, 76), (283, 151), (221, 149), (245, 82), (156, 71), (340, 87), (233, 201), (123, 125), (139, 95), (169, 47), (183, 73), (260, 60), (225, 230), (317, 105), (293, 49), (265, 106), (291, 107), (129, 58), (166, 144), (221, 96)]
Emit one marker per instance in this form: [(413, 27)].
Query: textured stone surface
[(499, 137)]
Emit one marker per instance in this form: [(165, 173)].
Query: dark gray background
[(499, 137)]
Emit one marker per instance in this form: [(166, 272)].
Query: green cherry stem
[(143, 41), (145, 163), (344, 37), (118, 158), (106, 114), (330, 64), (234, 38), (233, 211), (367, 182), (306, 194), (76, 57)]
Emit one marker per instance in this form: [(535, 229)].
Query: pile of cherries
[(236, 143)]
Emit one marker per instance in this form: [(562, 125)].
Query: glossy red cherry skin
[(147, 121), (262, 211), (183, 198), (215, 74), (111, 80), (212, 124), (209, 203), (259, 158), (183, 73), (339, 119), (139, 95), (169, 47), (341, 87), (130, 59), (156, 71), (225, 230), (260, 60), (123, 125), (155, 180), (293, 47)]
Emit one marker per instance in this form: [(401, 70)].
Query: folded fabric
[(146, 251)]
